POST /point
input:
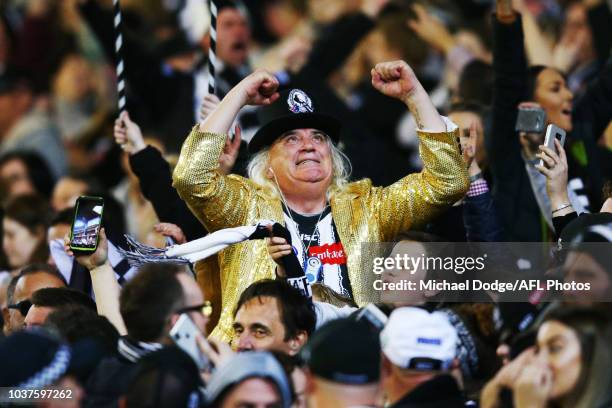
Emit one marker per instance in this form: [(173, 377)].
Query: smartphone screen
[(86, 224)]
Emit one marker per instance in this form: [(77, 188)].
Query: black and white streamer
[(195, 250), (119, 56), (212, 51)]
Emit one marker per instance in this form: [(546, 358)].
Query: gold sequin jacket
[(362, 213)]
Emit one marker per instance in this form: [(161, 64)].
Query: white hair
[(341, 171)]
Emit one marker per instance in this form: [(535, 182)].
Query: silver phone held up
[(184, 333), (553, 132)]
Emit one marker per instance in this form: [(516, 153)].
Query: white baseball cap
[(414, 338)]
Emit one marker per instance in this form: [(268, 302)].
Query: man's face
[(233, 36), (37, 316), (301, 158), (24, 289), (193, 297), (258, 326), (253, 393)]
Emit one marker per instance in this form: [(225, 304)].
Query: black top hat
[(293, 110)]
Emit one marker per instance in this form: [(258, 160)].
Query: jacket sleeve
[(417, 198), (480, 219), (155, 180), (509, 88), (213, 198), (600, 20), (594, 108), (562, 221)]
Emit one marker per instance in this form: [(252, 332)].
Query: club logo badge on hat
[(299, 102), (294, 109)]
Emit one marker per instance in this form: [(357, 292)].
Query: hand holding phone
[(86, 225), (185, 334), (553, 132), (91, 260)]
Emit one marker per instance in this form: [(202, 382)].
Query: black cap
[(515, 318), (344, 351), (295, 109)]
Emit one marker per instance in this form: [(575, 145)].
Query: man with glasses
[(143, 311), (20, 290)]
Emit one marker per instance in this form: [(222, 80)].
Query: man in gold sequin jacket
[(296, 154)]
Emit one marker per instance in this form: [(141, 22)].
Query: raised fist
[(259, 88), (395, 79)]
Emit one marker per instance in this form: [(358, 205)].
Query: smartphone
[(86, 224), (530, 120), (553, 132), (184, 333), (373, 315)]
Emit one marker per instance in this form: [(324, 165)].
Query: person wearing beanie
[(298, 177), (253, 379), (418, 354), (37, 359), (343, 361)]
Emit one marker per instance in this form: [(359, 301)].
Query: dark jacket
[(481, 220), (155, 179), (518, 209), (475, 220), (441, 391), (108, 382)]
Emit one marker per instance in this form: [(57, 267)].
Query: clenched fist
[(395, 79), (259, 88)]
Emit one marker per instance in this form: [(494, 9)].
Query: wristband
[(476, 177), (563, 207)]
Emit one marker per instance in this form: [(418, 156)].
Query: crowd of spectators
[(425, 96)]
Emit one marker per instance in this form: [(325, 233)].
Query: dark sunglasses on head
[(23, 307), (204, 308)]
